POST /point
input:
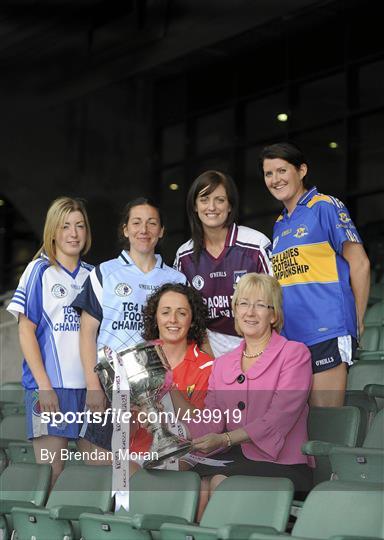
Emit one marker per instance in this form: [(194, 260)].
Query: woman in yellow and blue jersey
[(322, 266)]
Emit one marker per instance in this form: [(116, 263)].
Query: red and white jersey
[(246, 250)]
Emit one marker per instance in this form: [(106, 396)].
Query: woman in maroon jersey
[(219, 253)]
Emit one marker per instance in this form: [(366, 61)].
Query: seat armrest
[(374, 390), (153, 522), (71, 512), (239, 532), (316, 448), (7, 505), (357, 451), (169, 531), (349, 537)]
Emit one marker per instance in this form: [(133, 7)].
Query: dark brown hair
[(210, 180), (197, 330)]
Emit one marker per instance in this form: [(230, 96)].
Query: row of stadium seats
[(352, 425), (333, 434), (163, 504)]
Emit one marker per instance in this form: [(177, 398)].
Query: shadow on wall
[(104, 217)]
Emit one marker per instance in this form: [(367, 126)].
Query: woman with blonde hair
[(49, 328), (257, 394)]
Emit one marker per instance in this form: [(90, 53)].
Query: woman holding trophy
[(113, 299), (177, 315)]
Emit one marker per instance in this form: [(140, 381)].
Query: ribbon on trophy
[(120, 437)]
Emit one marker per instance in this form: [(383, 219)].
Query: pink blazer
[(272, 396)]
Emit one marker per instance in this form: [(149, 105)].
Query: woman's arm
[(360, 274), (95, 401), (214, 441), (30, 347), (290, 397)]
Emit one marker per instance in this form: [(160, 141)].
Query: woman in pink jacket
[(256, 406)]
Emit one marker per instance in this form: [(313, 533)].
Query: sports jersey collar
[(307, 196), (231, 237), (125, 258), (192, 352), (72, 274)]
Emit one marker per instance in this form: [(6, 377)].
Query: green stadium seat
[(372, 340), (376, 293), (12, 428), (335, 510), (22, 484), (374, 315), (79, 489), (366, 372), (368, 409), (156, 496), (11, 392), (338, 426), (21, 452), (240, 502), (364, 463)]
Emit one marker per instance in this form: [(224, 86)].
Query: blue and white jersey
[(44, 295), (307, 260), (115, 294)]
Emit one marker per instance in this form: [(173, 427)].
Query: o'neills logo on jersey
[(123, 289), (198, 282), (59, 291)]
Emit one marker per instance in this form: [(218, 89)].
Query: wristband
[(229, 440)]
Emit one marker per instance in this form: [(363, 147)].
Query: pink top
[(272, 396)]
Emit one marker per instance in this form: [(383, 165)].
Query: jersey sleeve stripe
[(15, 301), (20, 291), (97, 286), (48, 323), (207, 364), (266, 264)]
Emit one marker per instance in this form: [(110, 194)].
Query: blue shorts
[(98, 434), (332, 352), (71, 400)]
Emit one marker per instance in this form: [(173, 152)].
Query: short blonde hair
[(271, 289), (56, 215)]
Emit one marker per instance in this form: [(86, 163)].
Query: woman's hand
[(48, 400), (96, 400), (209, 443)]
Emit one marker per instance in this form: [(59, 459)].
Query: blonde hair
[(56, 215), (271, 289)]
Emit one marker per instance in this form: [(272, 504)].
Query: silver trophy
[(145, 366)]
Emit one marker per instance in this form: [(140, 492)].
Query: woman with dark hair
[(219, 252), (113, 299), (176, 314), (324, 271)]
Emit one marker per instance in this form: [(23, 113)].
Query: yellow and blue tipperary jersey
[(307, 261)]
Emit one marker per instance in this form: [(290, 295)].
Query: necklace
[(255, 355)]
